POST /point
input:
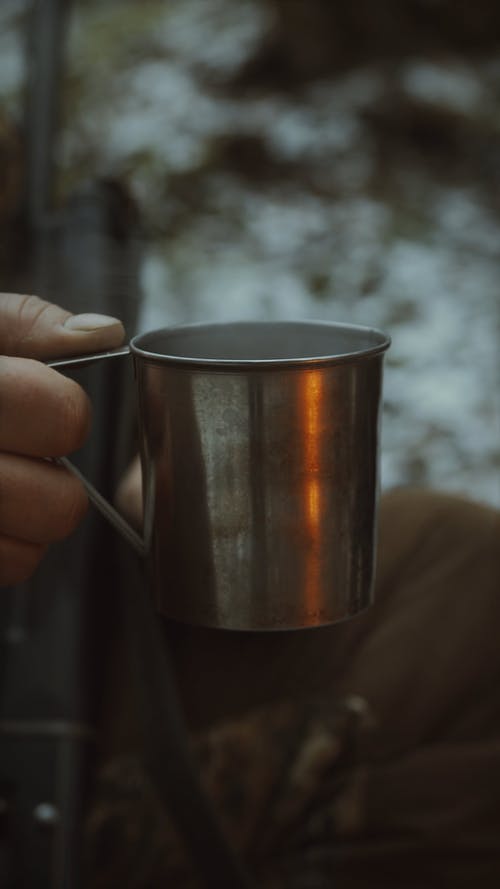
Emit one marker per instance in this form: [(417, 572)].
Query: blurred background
[(300, 158), (188, 160)]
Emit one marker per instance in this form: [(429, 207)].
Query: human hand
[(129, 494), (42, 414)]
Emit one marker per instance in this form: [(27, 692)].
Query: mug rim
[(381, 342)]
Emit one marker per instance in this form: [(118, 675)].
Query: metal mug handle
[(191, 810), (101, 504)]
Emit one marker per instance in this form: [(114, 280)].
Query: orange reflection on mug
[(311, 398)]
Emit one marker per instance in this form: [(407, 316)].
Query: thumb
[(33, 328)]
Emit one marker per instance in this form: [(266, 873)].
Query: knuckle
[(73, 505), (30, 307), (30, 310), (74, 419)]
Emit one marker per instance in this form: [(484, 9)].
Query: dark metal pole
[(52, 629), (45, 41)]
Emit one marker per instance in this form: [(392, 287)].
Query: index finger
[(42, 413)]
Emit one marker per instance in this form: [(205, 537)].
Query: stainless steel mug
[(259, 451)]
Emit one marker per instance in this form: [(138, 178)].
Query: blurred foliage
[(307, 157), (314, 38)]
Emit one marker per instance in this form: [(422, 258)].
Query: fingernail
[(89, 322)]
